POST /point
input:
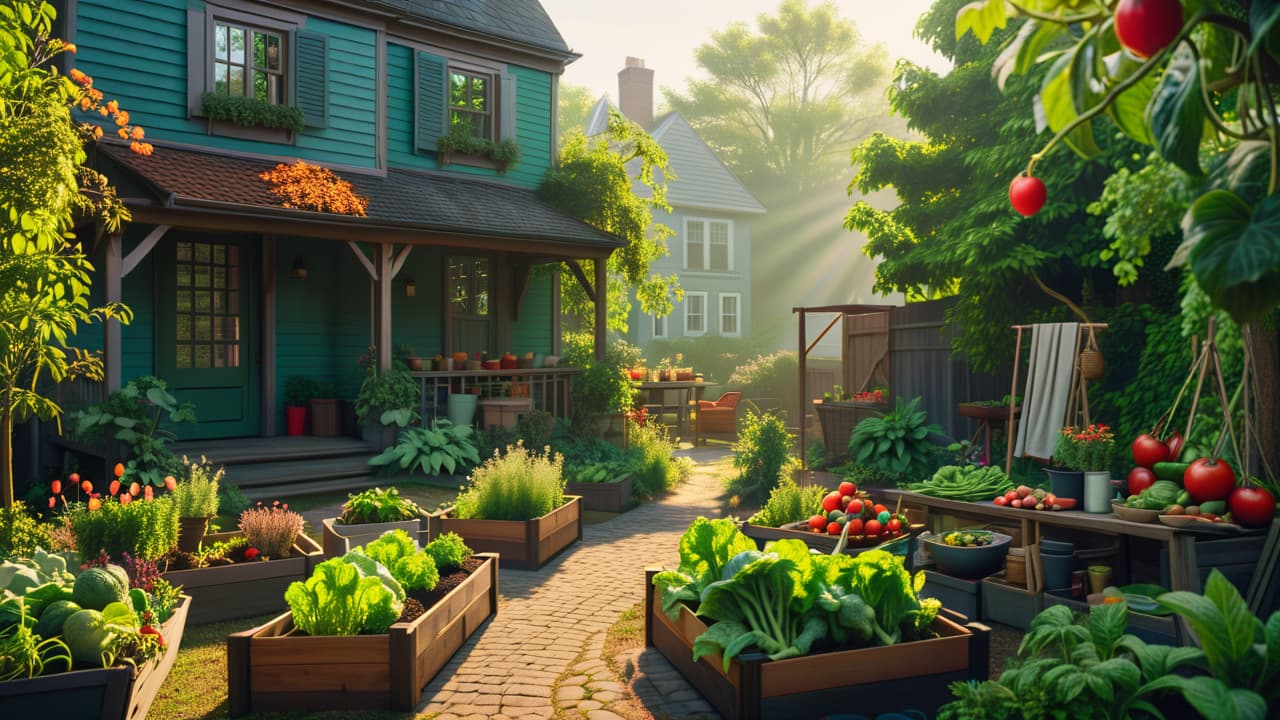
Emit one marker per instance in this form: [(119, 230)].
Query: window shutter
[(431, 121), (507, 106), (312, 75), (197, 60)]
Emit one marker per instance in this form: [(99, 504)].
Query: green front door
[(206, 329)]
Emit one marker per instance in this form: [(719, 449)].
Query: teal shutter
[(507, 107), (431, 120), (312, 73), (197, 61)]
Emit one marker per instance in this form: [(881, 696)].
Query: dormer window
[(471, 102), (248, 62)]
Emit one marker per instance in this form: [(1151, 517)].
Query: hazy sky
[(666, 32)]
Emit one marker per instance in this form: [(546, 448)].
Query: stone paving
[(541, 655)]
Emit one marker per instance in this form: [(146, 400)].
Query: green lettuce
[(339, 600), (705, 549)]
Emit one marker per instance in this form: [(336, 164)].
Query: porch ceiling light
[(299, 271)]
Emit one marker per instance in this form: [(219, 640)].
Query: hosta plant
[(897, 442), (441, 447)]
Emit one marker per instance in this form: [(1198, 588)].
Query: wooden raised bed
[(270, 670), (339, 539), (232, 591), (115, 693), (893, 678), (611, 496), (522, 544)]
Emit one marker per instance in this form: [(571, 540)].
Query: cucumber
[(1172, 471), (1184, 498), (1213, 507)]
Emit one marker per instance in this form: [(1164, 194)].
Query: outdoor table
[(688, 392)]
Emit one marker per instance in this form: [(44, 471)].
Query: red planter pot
[(295, 419)]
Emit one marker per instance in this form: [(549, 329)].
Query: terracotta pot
[(460, 360), (191, 531)]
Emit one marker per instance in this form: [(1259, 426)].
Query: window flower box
[(269, 669), (522, 544)]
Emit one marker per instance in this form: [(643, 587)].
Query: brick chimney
[(635, 92)]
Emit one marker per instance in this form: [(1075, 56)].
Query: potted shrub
[(298, 391), (120, 636), (387, 401), (240, 573), (369, 615), (515, 506), (196, 497), (785, 633), (896, 444), (366, 515)]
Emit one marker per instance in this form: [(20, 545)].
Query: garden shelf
[(611, 496), (871, 680), (522, 544), (114, 693), (234, 591), (270, 670), (339, 539)]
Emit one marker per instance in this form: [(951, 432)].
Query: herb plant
[(20, 533), (789, 503), (520, 485), (196, 494), (654, 466), (897, 442), (443, 446), (376, 505), (761, 452), (272, 530), (143, 528), (391, 397), (338, 599)]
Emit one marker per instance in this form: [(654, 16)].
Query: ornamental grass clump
[(789, 503), (272, 530), (655, 467), (196, 494), (520, 485)]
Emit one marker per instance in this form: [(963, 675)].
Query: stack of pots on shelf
[(1058, 559)]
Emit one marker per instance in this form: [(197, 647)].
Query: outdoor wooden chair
[(720, 416)]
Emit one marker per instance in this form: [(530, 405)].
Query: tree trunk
[(6, 460), (1265, 342)]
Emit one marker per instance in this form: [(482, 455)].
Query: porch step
[(280, 467), (265, 474), (281, 492), (248, 451)]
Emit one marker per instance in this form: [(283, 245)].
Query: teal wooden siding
[(138, 339), (137, 53), (400, 117), (533, 125), (417, 321), (532, 333)]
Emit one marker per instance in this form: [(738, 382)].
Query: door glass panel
[(184, 356), (207, 323), (184, 328), (204, 356)]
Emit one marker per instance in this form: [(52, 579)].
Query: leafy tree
[(786, 102), (593, 182), (574, 105), (953, 232), (44, 187)]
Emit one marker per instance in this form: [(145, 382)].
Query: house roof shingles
[(524, 21), (427, 201)]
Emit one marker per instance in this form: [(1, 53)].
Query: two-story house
[(232, 291), (711, 213)]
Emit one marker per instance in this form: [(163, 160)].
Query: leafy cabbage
[(339, 600)]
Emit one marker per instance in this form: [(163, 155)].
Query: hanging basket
[(1092, 366)]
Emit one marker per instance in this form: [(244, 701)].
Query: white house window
[(471, 102), (695, 313), (708, 244), (248, 61), (659, 326), (730, 323)]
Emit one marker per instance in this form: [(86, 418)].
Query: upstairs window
[(659, 326), (695, 313), (471, 102), (248, 61), (729, 314), (708, 245)]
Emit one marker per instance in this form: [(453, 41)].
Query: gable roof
[(702, 181), (428, 202), (524, 21)]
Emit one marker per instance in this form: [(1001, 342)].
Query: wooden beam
[(268, 400), (804, 355), (602, 311), (364, 259), (383, 255), (111, 333), (400, 258), (143, 250), (576, 268)]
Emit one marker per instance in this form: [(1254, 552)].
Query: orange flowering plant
[(1085, 449), (310, 187)]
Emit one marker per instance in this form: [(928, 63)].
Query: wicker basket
[(1015, 567), (1091, 365)]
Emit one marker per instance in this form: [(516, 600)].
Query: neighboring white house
[(711, 214)]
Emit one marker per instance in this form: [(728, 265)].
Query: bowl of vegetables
[(969, 553), (1134, 514)]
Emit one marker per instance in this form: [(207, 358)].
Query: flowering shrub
[(146, 530), (1085, 449), (310, 187), (271, 530)]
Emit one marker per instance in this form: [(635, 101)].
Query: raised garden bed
[(611, 496), (893, 678), (338, 539), (522, 544), (115, 693), (270, 670), (231, 591), (838, 419)]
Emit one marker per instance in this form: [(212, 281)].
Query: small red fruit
[(1001, 500), (1252, 507), (872, 527), (1140, 479), (1145, 27), (855, 526), (56, 487), (895, 524), (1148, 451), (1016, 503), (831, 501), (1175, 446), (148, 630), (251, 553), (855, 507), (817, 522), (1209, 479), (848, 488), (833, 528), (1027, 195)]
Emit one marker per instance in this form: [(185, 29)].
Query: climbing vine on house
[(303, 186)]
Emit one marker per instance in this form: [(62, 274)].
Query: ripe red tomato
[(855, 526), (1011, 496), (880, 508), (848, 488), (831, 502), (855, 507), (1175, 446), (1209, 479), (833, 528), (1148, 451), (817, 522), (894, 525), (1001, 500), (1140, 479), (1027, 194), (1252, 506), (1145, 27), (872, 527)]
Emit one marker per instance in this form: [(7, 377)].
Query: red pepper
[(148, 630)]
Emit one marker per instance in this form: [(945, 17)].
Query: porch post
[(112, 268), (602, 314), (382, 311), (803, 370)]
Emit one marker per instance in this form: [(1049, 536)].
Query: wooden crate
[(956, 594), (115, 693), (233, 591), (522, 544), (894, 678), (611, 496), (270, 670), (1009, 604)]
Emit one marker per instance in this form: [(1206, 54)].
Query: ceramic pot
[(1066, 483), (1097, 491)]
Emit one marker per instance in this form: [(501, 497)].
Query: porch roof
[(431, 203)]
